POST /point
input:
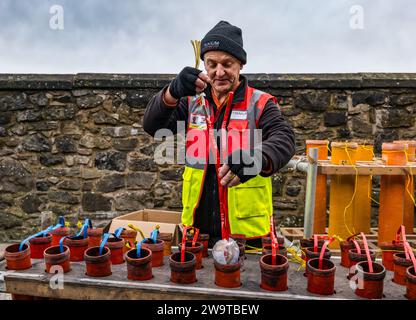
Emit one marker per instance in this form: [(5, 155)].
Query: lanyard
[(222, 190)]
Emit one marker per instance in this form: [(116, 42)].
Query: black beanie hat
[(224, 37)]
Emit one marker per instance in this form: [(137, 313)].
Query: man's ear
[(241, 66)]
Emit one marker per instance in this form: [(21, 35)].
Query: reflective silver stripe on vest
[(253, 113), (196, 163)]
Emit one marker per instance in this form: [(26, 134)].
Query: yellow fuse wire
[(353, 195), (132, 226), (410, 180), (296, 257), (252, 249)]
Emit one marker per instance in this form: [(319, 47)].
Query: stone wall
[(73, 145)]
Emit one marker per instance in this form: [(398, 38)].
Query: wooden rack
[(377, 167)]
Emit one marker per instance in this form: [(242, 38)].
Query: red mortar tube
[(182, 272), (274, 277), (38, 245), (139, 268)]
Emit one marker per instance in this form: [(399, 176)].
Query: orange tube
[(341, 218), (392, 193), (409, 207), (411, 149), (362, 200), (319, 220), (394, 154)]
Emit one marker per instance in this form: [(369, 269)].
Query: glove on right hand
[(184, 83)]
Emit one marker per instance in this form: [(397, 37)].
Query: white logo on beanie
[(212, 44)]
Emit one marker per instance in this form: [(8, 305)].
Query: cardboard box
[(147, 219)]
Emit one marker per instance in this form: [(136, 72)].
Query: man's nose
[(220, 71)]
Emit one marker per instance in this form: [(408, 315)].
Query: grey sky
[(153, 36)]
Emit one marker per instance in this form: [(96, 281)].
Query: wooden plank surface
[(365, 168), (297, 233), (77, 285)]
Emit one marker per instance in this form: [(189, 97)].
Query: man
[(234, 196)]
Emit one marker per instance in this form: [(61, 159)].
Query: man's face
[(224, 71)]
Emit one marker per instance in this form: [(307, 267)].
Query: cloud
[(147, 36)]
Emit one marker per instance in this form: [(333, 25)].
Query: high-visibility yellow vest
[(249, 205)]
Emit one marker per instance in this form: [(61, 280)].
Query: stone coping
[(157, 81)]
